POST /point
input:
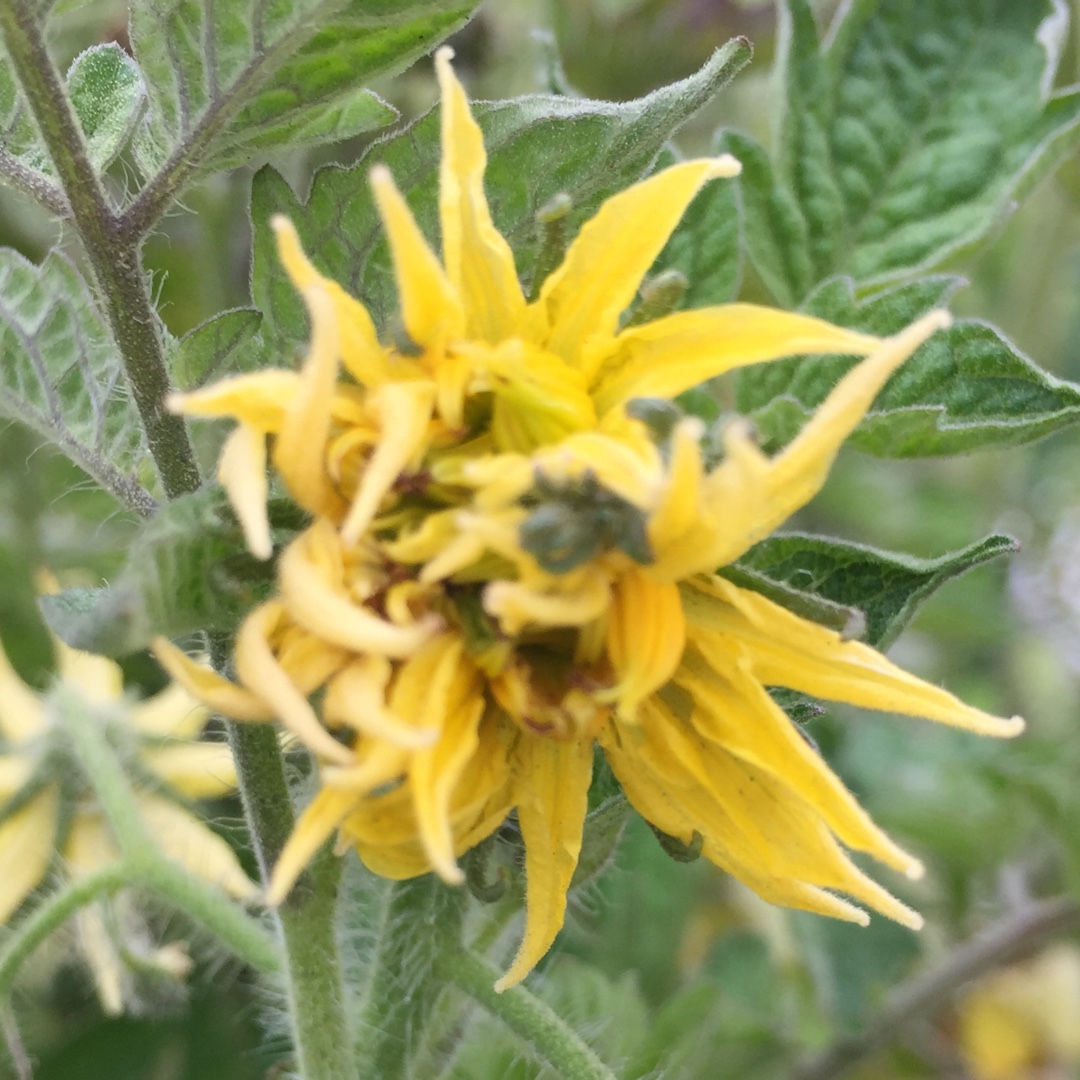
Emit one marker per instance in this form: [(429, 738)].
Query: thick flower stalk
[(512, 562), (46, 810)]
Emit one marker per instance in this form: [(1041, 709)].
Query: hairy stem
[(31, 182), (527, 1016), (1004, 942), (113, 255), (306, 920), (51, 915)]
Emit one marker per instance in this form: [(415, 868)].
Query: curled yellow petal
[(361, 353), (300, 448), (551, 792), (172, 713), (357, 696), (257, 666), (319, 602), (201, 770), (242, 472), (205, 684)]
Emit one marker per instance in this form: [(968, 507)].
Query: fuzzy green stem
[(306, 920), (113, 254), (527, 1016), (145, 864), (52, 914)]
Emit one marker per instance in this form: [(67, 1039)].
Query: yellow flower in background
[(46, 813), (1015, 1022), (512, 562)]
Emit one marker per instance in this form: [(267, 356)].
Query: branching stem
[(113, 255)]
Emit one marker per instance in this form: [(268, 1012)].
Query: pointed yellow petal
[(361, 353), (404, 411), (242, 472), (184, 838), (300, 448), (798, 472), (207, 685), (203, 770), (430, 307), (645, 639), (172, 713), (258, 399), (478, 260), (26, 848), (551, 788), (598, 278), (313, 828), (15, 770), (320, 604), (22, 716), (257, 666), (665, 357), (783, 649), (733, 711)]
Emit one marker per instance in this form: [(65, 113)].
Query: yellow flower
[(512, 562), (45, 812)]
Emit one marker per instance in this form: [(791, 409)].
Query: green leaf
[(773, 228), (968, 387), (220, 346), (228, 81), (587, 149), (885, 586), (186, 571), (908, 137), (61, 374), (706, 247), (108, 95)]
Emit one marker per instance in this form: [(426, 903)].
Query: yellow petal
[(300, 448), (319, 603), (551, 787), (203, 770), (258, 399), (204, 683), (22, 716), (257, 666), (454, 706), (404, 411), (680, 504), (356, 696), (102, 958), (26, 848), (604, 265), (172, 713), (97, 678), (669, 355), (430, 307), (15, 770), (478, 260), (783, 649), (646, 634), (242, 472), (361, 353), (184, 838), (733, 711), (798, 472), (313, 828), (517, 606)]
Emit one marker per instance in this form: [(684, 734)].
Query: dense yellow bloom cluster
[(511, 561), (47, 815)]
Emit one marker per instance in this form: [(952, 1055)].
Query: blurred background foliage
[(661, 954)]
